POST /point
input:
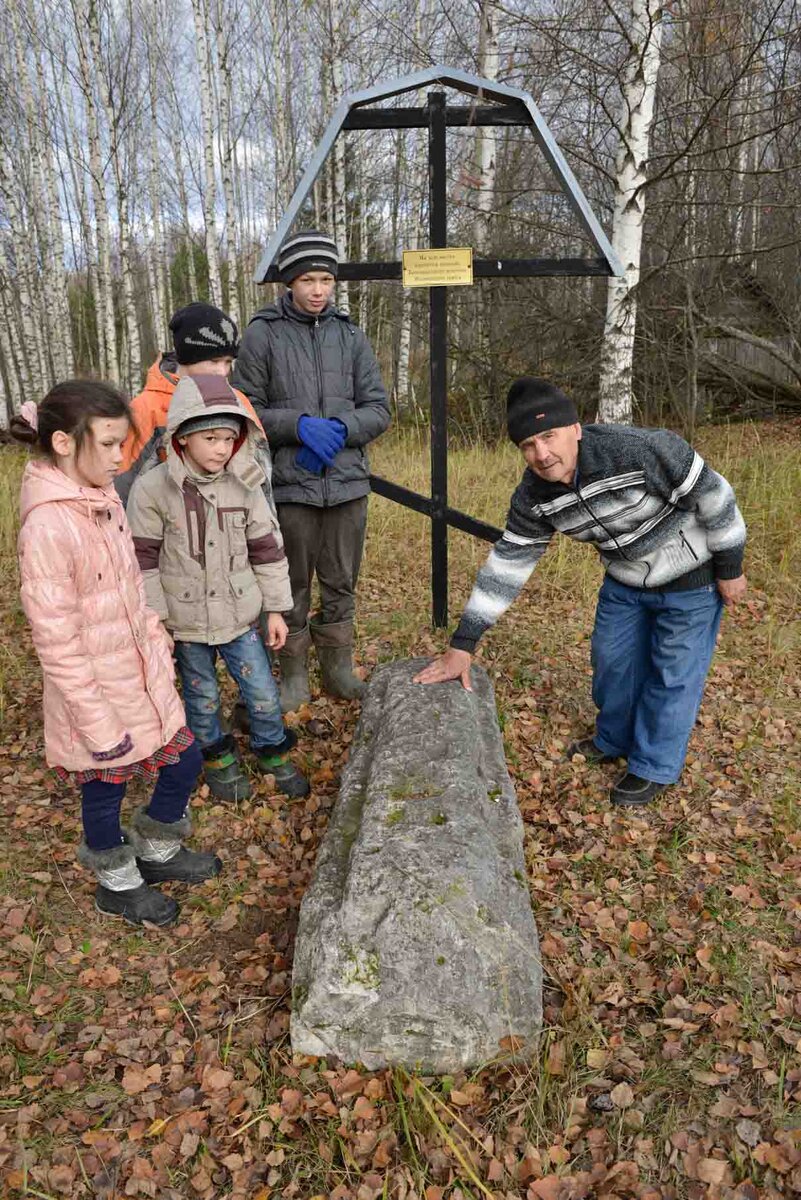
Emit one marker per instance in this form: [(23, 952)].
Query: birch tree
[(107, 331), (223, 42), (334, 56), (638, 88), (210, 189), (486, 135)]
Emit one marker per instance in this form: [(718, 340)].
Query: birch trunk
[(11, 345), (29, 362), (281, 104), (157, 257), (31, 201), (190, 245), (61, 347), (486, 135), (210, 188), (131, 362), (338, 205), (226, 160), (639, 94), (107, 329), (80, 177), (363, 253), (405, 396)]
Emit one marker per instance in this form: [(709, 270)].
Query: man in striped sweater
[(671, 540)]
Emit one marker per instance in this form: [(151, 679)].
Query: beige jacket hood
[(209, 547)]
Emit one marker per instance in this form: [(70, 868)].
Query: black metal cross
[(437, 116)]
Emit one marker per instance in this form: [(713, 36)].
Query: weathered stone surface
[(417, 944)]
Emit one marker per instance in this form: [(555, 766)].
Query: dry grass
[(670, 938)]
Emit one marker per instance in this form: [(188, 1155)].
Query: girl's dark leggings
[(101, 802)]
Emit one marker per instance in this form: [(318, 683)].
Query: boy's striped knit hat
[(309, 250)]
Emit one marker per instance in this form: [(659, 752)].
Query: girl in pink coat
[(111, 711)]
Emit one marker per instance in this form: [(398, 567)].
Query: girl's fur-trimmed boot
[(160, 854), (121, 890)]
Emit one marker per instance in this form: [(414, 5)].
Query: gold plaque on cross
[(438, 268)]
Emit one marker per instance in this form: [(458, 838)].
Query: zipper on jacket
[(683, 539), (318, 361), (597, 520)]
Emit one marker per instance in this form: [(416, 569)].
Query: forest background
[(148, 148)]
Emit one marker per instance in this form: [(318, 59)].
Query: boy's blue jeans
[(247, 660), (650, 657)]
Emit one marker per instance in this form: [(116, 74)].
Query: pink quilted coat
[(105, 657)]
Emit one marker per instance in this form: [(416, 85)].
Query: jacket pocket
[(237, 541), (247, 596), (186, 602)]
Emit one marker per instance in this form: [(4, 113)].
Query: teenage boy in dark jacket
[(315, 384), (671, 540)]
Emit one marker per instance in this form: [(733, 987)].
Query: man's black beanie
[(534, 405), (201, 331)]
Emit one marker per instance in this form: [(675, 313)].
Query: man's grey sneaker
[(632, 791), (137, 905), (587, 748)]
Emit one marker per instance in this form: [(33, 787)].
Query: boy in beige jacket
[(212, 559)]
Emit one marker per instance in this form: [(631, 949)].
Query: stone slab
[(417, 944)]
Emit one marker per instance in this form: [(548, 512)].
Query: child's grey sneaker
[(187, 866), (137, 905)]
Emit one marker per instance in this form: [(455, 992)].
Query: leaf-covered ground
[(157, 1063)]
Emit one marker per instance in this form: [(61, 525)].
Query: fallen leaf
[(622, 1096), (748, 1132), (138, 1079), (555, 1064), (712, 1170), (215, 1079), (547, 1188)]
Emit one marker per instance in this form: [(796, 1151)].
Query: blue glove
[(323, 437), (307, 459)]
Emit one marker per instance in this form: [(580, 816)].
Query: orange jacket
[(149, 408)]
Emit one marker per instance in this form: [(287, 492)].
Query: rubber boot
[(223, 770), (334, 646), (160, 854), (275, 760), (121, 890), (294, 660)]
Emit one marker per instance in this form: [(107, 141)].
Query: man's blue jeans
[(650, 657), (246, 659)]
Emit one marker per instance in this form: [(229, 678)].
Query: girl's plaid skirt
[(148, 769)]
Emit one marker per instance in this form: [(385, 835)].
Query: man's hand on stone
[(732, 590), (453, 664)]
